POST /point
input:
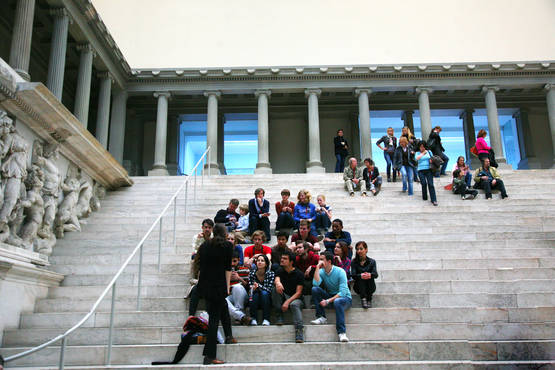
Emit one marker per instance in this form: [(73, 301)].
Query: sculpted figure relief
[(66, 218), (33, 206), (99, 192), (45, 157), (83, 208)]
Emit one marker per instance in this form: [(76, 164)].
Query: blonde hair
[(403, 140), (321, 196), (244, 208), (306, 193), (259, 233)]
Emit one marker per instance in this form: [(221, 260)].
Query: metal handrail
[(112, 284)]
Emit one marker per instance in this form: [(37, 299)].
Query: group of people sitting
[(280, 277), (426, 159)]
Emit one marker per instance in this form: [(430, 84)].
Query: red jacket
[(279, 207), (311, 260)]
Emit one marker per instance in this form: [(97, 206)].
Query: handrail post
[(195, 186), (174, 220), (159, 246), (140, 277), (62, 354), (110, 332), (186, 195), (202, 170)]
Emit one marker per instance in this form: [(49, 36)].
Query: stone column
[(263, 164), (407, 119), (212, 131), (159, 167), (103, 113), (314, 164), (83, 93), (117, 124), (172, 145), (221, 142), (424, 109), (20, 51), (364, 123), (493, 123), (528, 159), (550, 98), (469, 134), (58, 47)]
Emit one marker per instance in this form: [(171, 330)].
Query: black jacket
[(434, 143), (366, 176), (340, 148), (215, 260), (398, 157), (369, 266), (222, 217), (385, 140)]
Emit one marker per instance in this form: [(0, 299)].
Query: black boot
[(299, 336)]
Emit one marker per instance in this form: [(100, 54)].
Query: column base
[(475, 162), (172, 169), (530, 163), (503, 165), (211, 169), (263, 168), (159, 170), (315, 167)]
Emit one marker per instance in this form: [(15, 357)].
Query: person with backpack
[(434, 144)]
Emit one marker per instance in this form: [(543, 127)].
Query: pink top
[(481, 145)]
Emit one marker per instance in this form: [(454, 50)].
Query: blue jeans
[(427, 179), (340, 163), (261, 298), (389, 159), (468, 179), (407, 173), (340, 304), (322, 221)]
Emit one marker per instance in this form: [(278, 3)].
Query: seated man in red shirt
[(306, 261), (305, 236), (258, 238)]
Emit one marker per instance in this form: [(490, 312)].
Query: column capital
[(86, 47), (465, 112), (217, 94), (58, 12), (422, 89), (257, 93), (165, 94), (519, 112), (309, 92), (485, 89), (104, 75), (360, 90), (549, 87)]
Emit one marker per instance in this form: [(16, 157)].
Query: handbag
[(474, 151)]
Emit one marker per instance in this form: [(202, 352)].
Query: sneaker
[(319, 321), (279, 320), (352, 194), (388, 179), (435, 204), (230, 340), (245, 320), (253, 322), (364, 194), (265, 323), (343, 337), (364, 303)]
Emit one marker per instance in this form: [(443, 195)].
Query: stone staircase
[(468, 284)]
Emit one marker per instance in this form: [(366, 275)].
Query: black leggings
[(365, 288)]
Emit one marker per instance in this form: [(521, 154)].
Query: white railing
[(138, 248)]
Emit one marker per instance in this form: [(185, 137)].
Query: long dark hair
[(219, 234), (363, 243)]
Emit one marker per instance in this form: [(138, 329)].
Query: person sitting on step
[(487, 178), (306, 262), (371, 176), (231, 237), (465, 170), (352, 176), (364, 272), (239, 282), (304, 235), (229, 217), (284, 210), (341, 258), (460, 186), (261, 281), (323, 215), (337, 235), (278, 249), (304, 210), (205, 234), (256, 248), (287, 293), (336, 293), (259, 213), (242, 229)]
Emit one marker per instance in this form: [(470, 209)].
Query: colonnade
[(112, 104)]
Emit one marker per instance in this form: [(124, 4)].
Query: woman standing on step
[(214, 284), (363, 272), (425, 173)]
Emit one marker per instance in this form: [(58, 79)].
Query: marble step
[(324, 351), (285, 334)]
